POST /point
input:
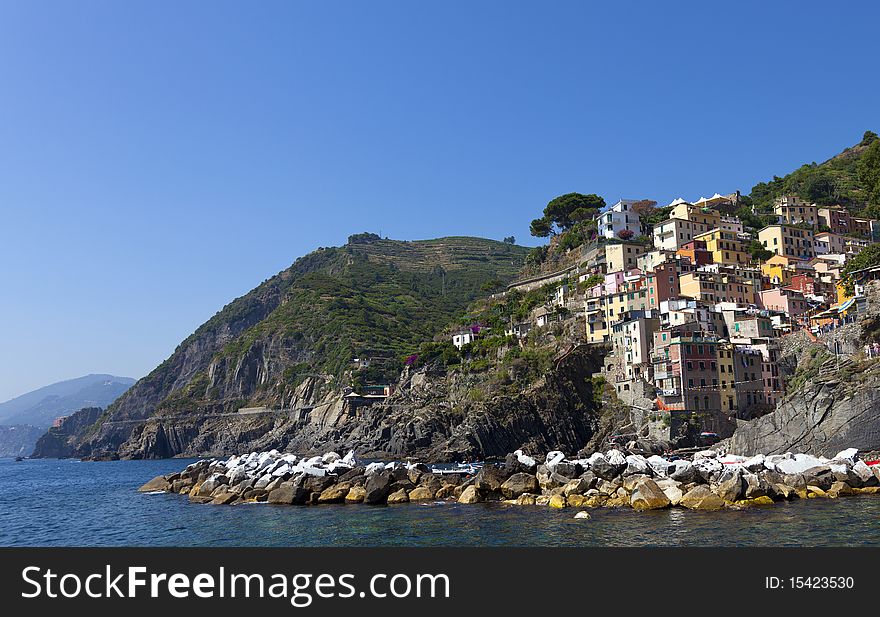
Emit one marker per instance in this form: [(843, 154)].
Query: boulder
[(352, 474), (631, 482), (636, 464), (557, 501), (159, 483), (685, 472), (673, 494), (489, 479), (864, 473), (446, 491), (797, 463), (526, 499), (576, 501), (356, 494), (582, 515), (263, 481), (567, 470), (224, 498), (590, 478), (576, 487), (840, 489), (605, 469), (754, 485), (518, 462), (732, 489), (200, 499), (701, 498), (288, 494), (659, 465), (848, 455), (398, 497), (754, 464), (421, 493), (553, 458), (648, 496), (469, 495), (378, 487), (519, 483), (335, 493), (821, 476), (783, 491)]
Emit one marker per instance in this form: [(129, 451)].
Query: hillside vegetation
[(851, 179)]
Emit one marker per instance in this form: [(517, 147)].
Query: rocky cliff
[(288, 344), (830, 412), (433, 415)]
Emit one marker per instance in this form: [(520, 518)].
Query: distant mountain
[(42, 406), (18, 440)]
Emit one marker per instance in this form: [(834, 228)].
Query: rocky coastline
[(708, 481)]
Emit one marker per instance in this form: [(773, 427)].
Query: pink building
[(786, 301)]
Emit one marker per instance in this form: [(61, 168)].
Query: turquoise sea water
[(72, 503)]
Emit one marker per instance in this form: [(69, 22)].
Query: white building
[(615, 218), (463, 338)]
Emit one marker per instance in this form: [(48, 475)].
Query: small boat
[(19, 459)]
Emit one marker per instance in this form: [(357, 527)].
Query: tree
[(644, 208), (868, 257), (582, 215), (625, 234), (541, 228), (868, 169), (510, 240), (758, 252), (559, 211), (868, 138)]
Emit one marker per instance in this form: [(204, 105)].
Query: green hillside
[(851, 179)]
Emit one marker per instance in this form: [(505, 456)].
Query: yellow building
[(726, 379), (604, 311), (704, 218), (725, 246), (788, 241), (714, 287), (622, 257), (791, 210)]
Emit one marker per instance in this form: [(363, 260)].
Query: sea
[(72, 503)]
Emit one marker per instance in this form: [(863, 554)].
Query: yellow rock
[(815, 491), (756, 501), (868, 490), (469, 495), (356, 494), (421, 493), (557, 501), (526, 499), (576, 501)]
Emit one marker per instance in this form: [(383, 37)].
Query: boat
[(19, 459)]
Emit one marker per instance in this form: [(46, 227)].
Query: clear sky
[(158, 159)]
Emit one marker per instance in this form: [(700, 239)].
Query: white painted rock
[(583, 515), (524, 459), (374, 467), (615, 457), (554, 458)]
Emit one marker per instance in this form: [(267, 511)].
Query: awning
[(842, 308)]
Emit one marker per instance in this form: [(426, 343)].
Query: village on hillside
[(692, 319)]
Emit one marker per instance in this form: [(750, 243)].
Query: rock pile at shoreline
[(710, 481)]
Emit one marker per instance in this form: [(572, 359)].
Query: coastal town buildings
[(788, 241), (617, 217)]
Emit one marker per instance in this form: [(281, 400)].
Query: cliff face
[(834, 410), (286, 344), (431, 416), (56, 442)]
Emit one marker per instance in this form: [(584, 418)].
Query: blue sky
[(158, 159)]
